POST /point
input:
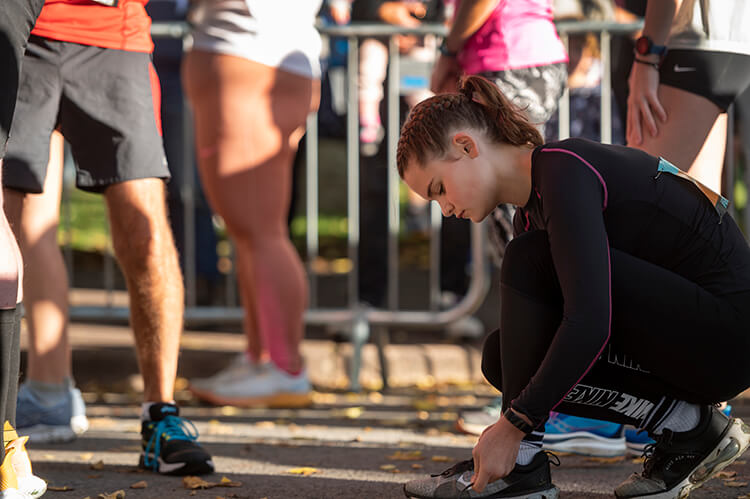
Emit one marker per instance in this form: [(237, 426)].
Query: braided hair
[(478, 105)]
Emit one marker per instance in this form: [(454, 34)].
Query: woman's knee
[(491, 366), (527, 264)]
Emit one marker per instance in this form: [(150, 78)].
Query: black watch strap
[(445, 51), (516, 421)]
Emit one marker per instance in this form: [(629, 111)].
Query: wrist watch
[(645, 46), (444, 50), (516, 421)]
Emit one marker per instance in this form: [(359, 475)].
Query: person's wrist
[(445, 50), (518, 421)]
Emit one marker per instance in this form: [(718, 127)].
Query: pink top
[(518, 34)]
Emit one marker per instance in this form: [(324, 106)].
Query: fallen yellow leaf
[(412, 455), (607, 460), (86, 456), (194, 482), (97, 466), (441, 459), (387, 467), (64, 488), (118, 494), (417, 466), (226, 482), (735, 484), (726, 474), (139, 485), (304, 471)]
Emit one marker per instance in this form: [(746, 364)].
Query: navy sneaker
[(169, 444), (678, 462), (531, 481)]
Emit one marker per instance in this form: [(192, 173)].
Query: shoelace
[(650, 452), (176, 428), (468, 465), (458, 468)]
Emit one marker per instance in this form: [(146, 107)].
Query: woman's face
[(461, 182)]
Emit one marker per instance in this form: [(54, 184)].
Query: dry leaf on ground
[(194, 482), (226, 482), (606, 460), (411, 455), (139, 485), (387, 467), (441, 459), (304, 471), (64, 488), (99, 465), (734, 484), (726, 474), (118, 494)]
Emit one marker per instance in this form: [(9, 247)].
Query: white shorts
[(278, 33)]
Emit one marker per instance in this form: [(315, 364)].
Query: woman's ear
[(465, 144)]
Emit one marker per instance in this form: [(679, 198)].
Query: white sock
[(529, 448), (683, 417), (146, 406)]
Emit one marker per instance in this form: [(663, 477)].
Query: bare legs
[(693, 138), (35, 218), (145, 250), (249, 118)]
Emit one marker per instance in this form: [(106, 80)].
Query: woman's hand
[(495, 453), (643, 103)]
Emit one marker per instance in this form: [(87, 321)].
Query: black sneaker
[(679, 462), (531, 481), (169, 444)]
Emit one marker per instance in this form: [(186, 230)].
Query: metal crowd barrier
[(355, 316)]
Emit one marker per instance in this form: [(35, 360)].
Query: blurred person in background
[(16, 478), (97, 86), (252, 78), (691, 62)]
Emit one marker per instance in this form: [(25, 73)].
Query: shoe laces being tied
[(457, 469), (171, 428), (651, 452)]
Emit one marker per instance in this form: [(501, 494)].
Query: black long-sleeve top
[(591, 197)]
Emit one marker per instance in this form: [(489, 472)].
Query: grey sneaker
[(532, 481), (679, 462), (44, 423)]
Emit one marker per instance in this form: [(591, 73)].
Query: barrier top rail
[(180, 29)]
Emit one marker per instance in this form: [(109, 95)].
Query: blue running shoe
[(169, 444), (474, 422), (588, 437), (637, 440), (43, 422)]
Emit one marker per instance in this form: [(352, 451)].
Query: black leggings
[(10, 334), (670, 339)]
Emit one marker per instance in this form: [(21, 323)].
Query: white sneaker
[(255, 385), (239, 368)]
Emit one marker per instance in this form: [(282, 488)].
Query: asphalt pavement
[(347, 445)]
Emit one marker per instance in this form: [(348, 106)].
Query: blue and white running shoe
[(588, 437), (42, 422)]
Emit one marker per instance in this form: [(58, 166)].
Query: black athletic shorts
[(17, 17), (718, 76), (104, 103)]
